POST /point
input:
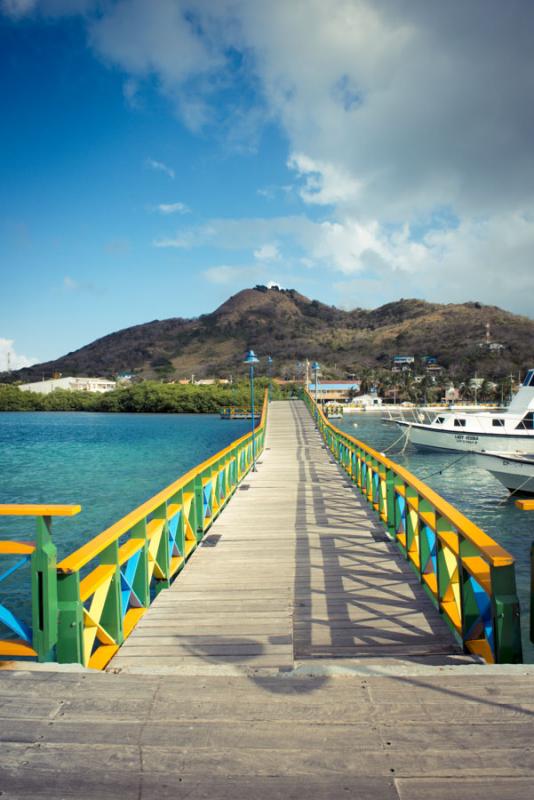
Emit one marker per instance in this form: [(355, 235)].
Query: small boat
[(514, 470), (508, 431), (238, 413), (333, 411)]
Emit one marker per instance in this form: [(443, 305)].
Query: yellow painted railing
[(93, 598), (469, 577)]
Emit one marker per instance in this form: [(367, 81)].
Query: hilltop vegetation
[(291, 327)]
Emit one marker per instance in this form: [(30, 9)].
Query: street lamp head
[(250, 358), (315, 367)]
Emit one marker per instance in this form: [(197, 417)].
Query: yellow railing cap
[(525, 505), (38, 510)]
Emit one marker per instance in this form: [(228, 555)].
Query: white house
[(70, 385)]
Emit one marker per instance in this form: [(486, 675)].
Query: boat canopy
[(524, 399)]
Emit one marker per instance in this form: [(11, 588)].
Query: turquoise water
[(472, 490), (107, 463)]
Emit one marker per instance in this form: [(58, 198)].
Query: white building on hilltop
[(70, 385)]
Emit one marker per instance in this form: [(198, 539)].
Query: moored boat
[(514, 471), (510, 431), (238, 413)]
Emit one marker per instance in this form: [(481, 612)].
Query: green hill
[(291, 328)]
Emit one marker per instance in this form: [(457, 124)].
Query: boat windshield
[(529, 379), (527, 423)]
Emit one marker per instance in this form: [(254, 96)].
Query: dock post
[(532, 592), (508, 649), (70, 647), (44, 591), (390, 502), (199, 508)]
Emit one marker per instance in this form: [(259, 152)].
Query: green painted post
[(141, 583), (532, 593), (508, 648), (199, 508), (234, 469), (70, 619), (44, 591), (162, 554), (111, 618), (222, 483), (390, 501)]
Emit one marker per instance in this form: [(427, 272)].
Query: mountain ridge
[(291, 327)]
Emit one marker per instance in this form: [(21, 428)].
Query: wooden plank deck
[(296, 568), (141, 737)]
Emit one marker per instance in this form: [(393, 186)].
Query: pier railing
[(85, 606), (528, 505), (469, 577)]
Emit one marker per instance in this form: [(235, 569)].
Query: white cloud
[(267, 252), (225, 274), (173, 208), (184, 241), (80, 287), (130, 90), (324, 183), (159, 166), (17, 8), (16, 360), (469, 260), (169, 41)]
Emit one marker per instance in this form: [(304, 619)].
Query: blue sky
[(157, 157)]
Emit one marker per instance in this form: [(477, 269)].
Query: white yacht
[(510, 431), (515, 472)]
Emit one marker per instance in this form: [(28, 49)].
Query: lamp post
[(315, 367), (251, 359), (269, 373)]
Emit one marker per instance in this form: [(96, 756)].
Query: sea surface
[(111, 463), (472, 490)]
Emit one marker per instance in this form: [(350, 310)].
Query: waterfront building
[(402, 363), (340, 391), (70, 384)]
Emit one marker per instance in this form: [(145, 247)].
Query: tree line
[(146, 397)]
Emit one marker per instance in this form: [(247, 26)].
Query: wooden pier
[(296, 568), (296, 656)]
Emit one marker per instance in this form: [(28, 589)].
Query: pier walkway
[(296, 656), (296, 568)]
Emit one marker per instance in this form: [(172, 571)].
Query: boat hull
[(423, 437), (515, 474)]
